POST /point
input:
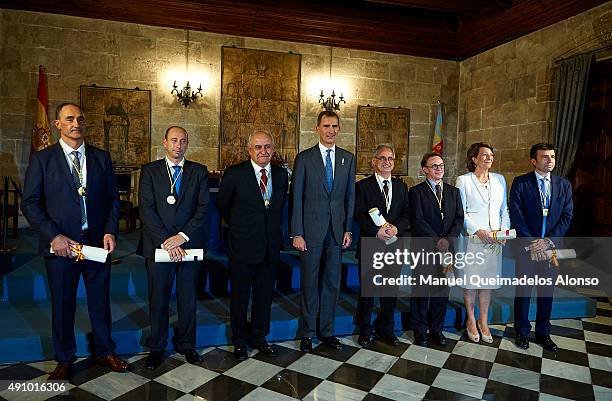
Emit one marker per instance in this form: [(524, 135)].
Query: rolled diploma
[(499, 235), (379, 221), (162, 256), (92, 253), (562, 253)]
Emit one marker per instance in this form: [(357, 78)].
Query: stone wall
[(80, 51), (506, 93)]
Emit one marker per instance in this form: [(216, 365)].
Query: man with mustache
[(70, 197), (251, 200)]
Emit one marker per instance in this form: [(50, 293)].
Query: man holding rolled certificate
[(389, 197), (70, 199), (251, 199), (173, 199), (541, 211)]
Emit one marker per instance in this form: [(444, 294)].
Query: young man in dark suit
[(390, 196), (251, 200), (70, 197), (323, 187), (436, 219), (541, 211), (173, 200)]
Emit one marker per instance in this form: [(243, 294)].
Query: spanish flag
[(438, 138), (41, 130)]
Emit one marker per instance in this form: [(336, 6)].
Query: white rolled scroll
[(561, 253), (380, 221), (193, 255), (499, 235), (87, 252)]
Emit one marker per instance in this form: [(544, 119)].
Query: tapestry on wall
[(378, 125), (119, 121), (259, 90)]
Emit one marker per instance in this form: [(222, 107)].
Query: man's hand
[(442, 245), (177, 254), (539, 256), (61, 246), (173, 242), (485, 236), (299, 243), (383, 233), (346, 241), (391, 230), (539, 245), (109, 242)]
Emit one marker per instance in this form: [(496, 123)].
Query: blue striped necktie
[(329, 170)]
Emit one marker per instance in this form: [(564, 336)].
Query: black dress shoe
[(421, 339), (547, 343), (306, 344), (521, 341), (240, 352), (192, 357), (364, 340), (438, 338), (388, 338), (154, 359), (266, 350), (332, 342)]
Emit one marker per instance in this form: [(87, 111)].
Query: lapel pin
[(342, 162)]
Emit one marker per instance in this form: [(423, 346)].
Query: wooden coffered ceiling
[(445, 29)]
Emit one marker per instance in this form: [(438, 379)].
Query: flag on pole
[(41, 130), (438, 138)]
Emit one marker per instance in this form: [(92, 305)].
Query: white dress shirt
[(380, 180), (67, 153), (323, 149)]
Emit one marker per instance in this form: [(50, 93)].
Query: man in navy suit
[(390, 196), (541, 211), (323, 186), (436, 219), (70, 197), (251, 200), (173, 199)]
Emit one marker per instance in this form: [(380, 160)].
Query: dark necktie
[(329, 170), (76, 171), (439, 193), (176, 177), (386, 193), (263, 182)]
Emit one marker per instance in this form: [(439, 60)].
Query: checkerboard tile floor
[(580, 370)]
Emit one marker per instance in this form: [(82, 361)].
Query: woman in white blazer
[(485, 208)]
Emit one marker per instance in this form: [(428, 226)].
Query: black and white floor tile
[(580, 370)]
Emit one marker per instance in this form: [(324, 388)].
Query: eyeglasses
[(437, 166), (385, 159)]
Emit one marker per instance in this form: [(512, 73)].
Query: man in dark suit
[(173, 199), (436, 219), (251, 200), (541, 211), (70, 197), (323, 186), (390, 196)]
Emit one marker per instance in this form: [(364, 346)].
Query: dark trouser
[(384, 322), (428, 303), (319, 286), (63, 275), (161, 277), (522, 298), (260, 277)]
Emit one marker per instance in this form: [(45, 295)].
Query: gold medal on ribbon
[(267, 203), (171, 199), (82, 191)]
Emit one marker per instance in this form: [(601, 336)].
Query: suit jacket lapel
[(254, 184), (319, 166), (379, 198), (554, 193), (185, 180), (63, 166)]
